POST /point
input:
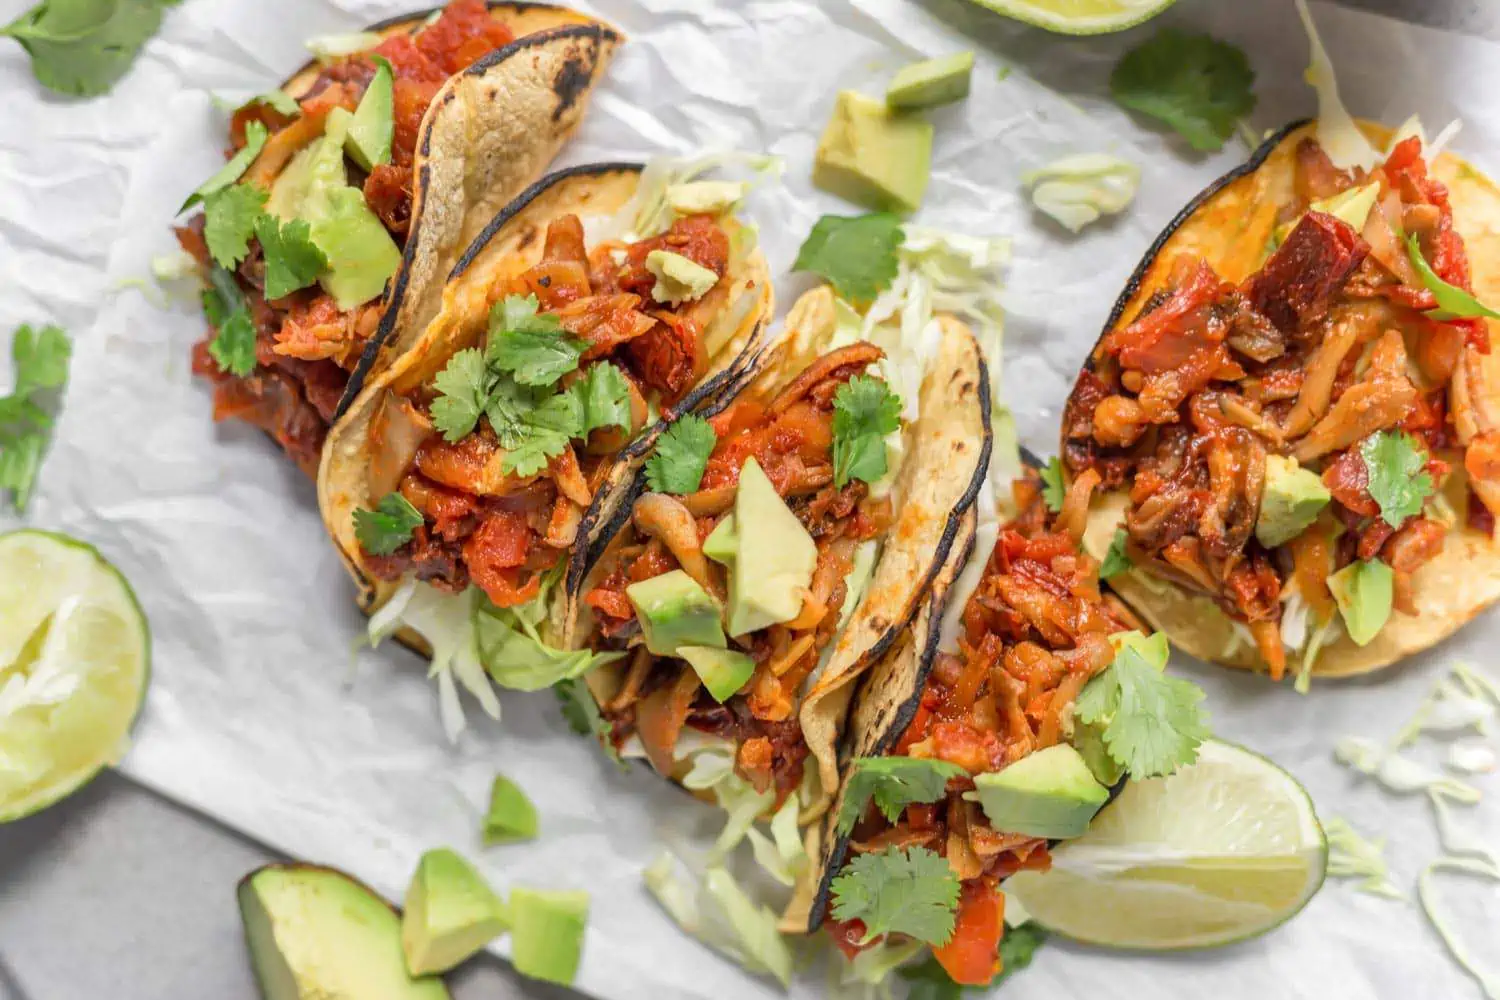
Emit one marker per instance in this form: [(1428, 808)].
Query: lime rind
[(1079, 17), (75, 659), (1224, 851)]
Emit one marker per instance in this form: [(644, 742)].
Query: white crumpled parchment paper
[(262, 717)]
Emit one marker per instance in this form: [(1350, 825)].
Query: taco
[(1293, 414), (743, 600), (985, 738), (352, 190), (473, 477)]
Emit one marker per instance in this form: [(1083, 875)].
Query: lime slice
[(1221, 851), (1079, 17), (75, 655)]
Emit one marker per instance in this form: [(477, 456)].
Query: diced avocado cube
[(1292, 498), (706, 197), (316, 932), (722, 541), (931, 82), (874, 156), (368, 141), (1363, 590), (1352, 205), (1051, 793), (451, 913), (674, 610), (511, 816), (678, 279), (723, 671), (546, 936), (775, 558), (1088, 740)]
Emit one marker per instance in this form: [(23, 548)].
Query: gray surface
[(119, 895)]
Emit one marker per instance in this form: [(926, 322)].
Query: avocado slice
[(931, 82), (373, 126), (1088, 740), (723, 671), (874, 156), (451, 913), (1363, 590), (1290, 501), (774, 561), (317, 934), (546, 938), (1051, 793), (674, 610), (722, 541)]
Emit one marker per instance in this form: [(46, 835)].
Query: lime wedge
[(75, 655), (1079, 17), (1221, 851)]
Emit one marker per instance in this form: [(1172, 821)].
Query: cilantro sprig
[(865, 410), (1152, 724), (293, 260), (1054, 487), (893, 783), (40, 358), (233, 346), (256, 135), (911, 891), (1196, 84), (229, 219), (681, 456), (512, 383), (388, 527), (1394, 461), (857, 255), (1116, 560), (80, 48)]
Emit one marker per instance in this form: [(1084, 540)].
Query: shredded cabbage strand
[(713, 907), (1352, 855), (1338, 134), (1397, 773), (649, 212), (1079, 189), (1489, 982)]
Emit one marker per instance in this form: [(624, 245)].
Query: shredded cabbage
[(178, 266), (1077, 190), (328, 47), (1455, 840), (716, 910), (782, 854), (867, 975), (1397, 773), (515, 651), (1352, 855), (1472, 758), (1339, 136), (1447, 710), (1488, 982), (650, 211)]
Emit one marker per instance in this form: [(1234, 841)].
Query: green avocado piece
[(1291, 501), (1088, 740), (674, 610), (511, 816), (678, 279), (1051, 793), (546, 937), (451, 913), (314, 187), (931, 82), (723, 671), (368, 141), (775, 558), (316, 933), (706, 197), (874, 156), (722, 541), (1363, 592)]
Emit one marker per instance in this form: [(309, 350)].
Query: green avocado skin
[(314, 932)]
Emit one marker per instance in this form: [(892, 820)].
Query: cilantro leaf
[(41, 358), (81, 48), (234, 168), (507, 408), (911, 892), (229, 218), (1152, 724), (1452, 302), (463, 388), (856, 254), (533, 347), (293, 260), (1196, 84), (1054, 490), (1017, 947), (20, 459), (928, 980), (1116, 560), (681, 456), (604, 398), (233, 346), (41, 362), (536, 450), (581, 713), (865, 410), (894, 783), (1394, 461), (388, 527)]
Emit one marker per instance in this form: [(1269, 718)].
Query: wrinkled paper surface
[(262, 717)]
